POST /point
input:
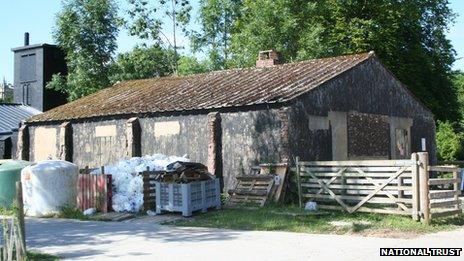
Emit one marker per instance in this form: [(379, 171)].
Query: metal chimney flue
[(26, 39)]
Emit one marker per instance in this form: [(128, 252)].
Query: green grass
[(36, 256), (68, 212), (295, 220)]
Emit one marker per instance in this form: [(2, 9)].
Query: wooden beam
[(356, 163), (456, 188), (298, 180), (443, 168), (369, 210), (380, 187), (446, 213), (444, 181), (424, 186), (351, 175), (442, 194), (380, 200), (445, 204), (357, 187), (415, 187), (21, 252), (333, 195)]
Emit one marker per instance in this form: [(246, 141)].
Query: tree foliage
[(86, 30), (458, 82), (142, 62), (449, 142), (191, 65), (216, 19), (145, 21), (408, 36), (288, 26)]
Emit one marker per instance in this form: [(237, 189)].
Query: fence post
[(415, 187), (456, 188), (20, 219), (297, 163), (424, 187)]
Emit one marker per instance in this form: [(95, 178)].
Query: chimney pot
[(268, 58), (26, 39)]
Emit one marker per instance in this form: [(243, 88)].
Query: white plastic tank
[(48, 186)]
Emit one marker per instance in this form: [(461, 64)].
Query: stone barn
[(339, 108)]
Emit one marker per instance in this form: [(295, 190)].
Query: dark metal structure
[(34, 66)]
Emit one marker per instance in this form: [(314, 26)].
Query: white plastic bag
[(311, 206), (128, 185)]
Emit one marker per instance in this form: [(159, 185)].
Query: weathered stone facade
[(363, 113)]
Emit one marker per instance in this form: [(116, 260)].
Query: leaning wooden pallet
[(251, 190), (266, 182)]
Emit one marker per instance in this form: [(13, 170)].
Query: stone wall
[(250, 138), (366, 89)]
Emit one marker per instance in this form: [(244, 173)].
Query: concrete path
[(143, 239)]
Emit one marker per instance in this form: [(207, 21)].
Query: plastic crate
[(189, 197)]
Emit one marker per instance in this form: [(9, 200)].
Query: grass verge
[(36, 256), (74, 213), (293, 219)]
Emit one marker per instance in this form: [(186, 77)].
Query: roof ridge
[(367, 54), (207, 91)]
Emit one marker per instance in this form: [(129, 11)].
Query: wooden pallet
[(251, 190), (281, 172)]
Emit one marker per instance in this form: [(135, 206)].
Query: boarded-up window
[(167, 128), (45, 144), (104, 137), (401, 144), (368, 136), (27, 71), (105, 131)]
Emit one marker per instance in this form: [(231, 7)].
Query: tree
[(408, 36), (86, 30), (191, 65), (449, 142), (141, 63), (216, 19), (458, 82), (287, 26), (145, 22)]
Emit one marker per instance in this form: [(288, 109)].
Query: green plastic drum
[(10, 172)]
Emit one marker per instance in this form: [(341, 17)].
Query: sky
[(37, 17)]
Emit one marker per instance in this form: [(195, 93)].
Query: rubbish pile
[(184, 172), (128, 185)]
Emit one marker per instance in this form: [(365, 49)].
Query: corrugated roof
[(11, 114), (220, 89)]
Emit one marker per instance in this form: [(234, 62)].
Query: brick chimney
[(268, 58)]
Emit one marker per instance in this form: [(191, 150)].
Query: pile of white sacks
[(128, 185)]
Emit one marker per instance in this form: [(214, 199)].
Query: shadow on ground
[(62, 232)]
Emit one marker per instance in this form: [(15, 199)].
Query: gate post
[(415, 187), (424, 187), (297, 163)]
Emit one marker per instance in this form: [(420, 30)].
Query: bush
[(449, 142)]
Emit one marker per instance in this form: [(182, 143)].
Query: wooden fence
[(13, 238), (401, 187), (443, 190), (93, 188), (94, 191)]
